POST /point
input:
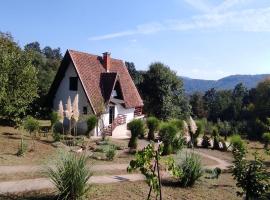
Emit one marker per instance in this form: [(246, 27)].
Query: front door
[(111, 114)]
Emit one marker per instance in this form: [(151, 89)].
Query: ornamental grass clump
[(70, 176), (172, 139), (153, 126), (188, 171), (136, 128), (91, 123)]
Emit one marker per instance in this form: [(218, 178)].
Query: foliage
[(31, 125), (143, 161), (54, 118), (18, 78), (216, 139), (197, 105), (206, 141), (188, 171), (153, 126), (171, 138), (22, 148), (136, 128), (56, 136), (163, 93), (70, 176), (91, 122), (178, 123), (251, 176), (266, 139), (110, 152), (237, 143)]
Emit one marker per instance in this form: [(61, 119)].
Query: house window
[(73, 83), (85, 110)]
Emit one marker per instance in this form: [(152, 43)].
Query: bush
[(167, 135), (31, 125), (54, 118), (136, 128), (266, 140), (70, 176), (177, 123), (206, 142), (91, 123), (153, 125), (237, 143), (110, 152)]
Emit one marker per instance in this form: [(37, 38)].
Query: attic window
[(85, 110), (73, 83)]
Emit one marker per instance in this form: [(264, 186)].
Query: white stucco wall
[(63, 92), (119, 109)]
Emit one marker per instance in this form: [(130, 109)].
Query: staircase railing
[(119, 120)]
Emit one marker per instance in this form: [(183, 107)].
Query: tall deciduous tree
[(163, 93), (18, 79)]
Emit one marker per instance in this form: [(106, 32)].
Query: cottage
[(104, 87)]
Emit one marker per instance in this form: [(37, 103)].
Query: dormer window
[(73, 83)]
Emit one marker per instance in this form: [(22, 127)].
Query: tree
[(197, 105), (163, 93), (136, 76), (46, 62), (18, 79), (262, 103)]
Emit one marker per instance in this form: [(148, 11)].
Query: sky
[(205, 39)]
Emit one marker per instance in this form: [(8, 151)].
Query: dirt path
[(222, 164), (40, 168), (44, 183)]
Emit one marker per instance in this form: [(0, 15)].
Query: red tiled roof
[(90, 69)]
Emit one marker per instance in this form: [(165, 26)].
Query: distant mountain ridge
[(229, 82)]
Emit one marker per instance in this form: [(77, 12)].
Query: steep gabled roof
[(96, 84)]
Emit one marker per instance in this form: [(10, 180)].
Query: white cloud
[(200, 5), (249, 20)]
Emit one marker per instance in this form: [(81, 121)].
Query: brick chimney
[(107, 61)]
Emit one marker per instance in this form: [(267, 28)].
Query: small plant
[(266, 139), (91, 123), (153, 125), (136, 128), (188, 171), (206, 142), (143, 161), (70, 176), (22, 148), (32, 126), (110, 152)]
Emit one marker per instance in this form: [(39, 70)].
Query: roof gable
[(97, 83)]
